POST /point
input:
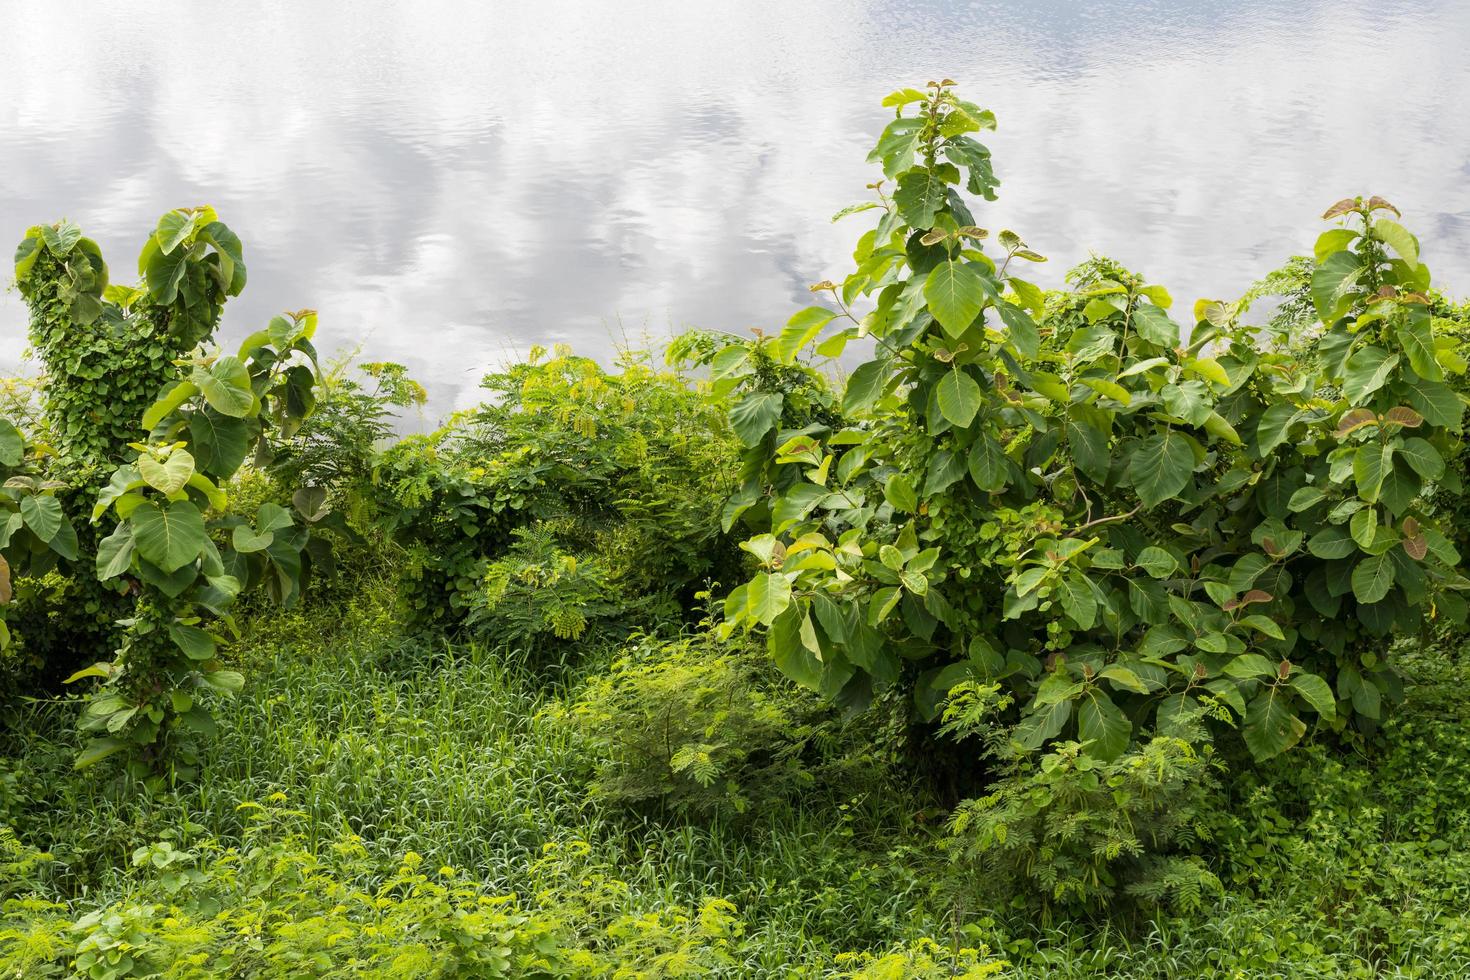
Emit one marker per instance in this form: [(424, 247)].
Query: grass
[(1344, 865)]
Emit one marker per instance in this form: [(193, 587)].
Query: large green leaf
[(1154, 326), (115, 552), (1416, 337), (173, 396), (1372, 578), (1315, 691), (959, 398), (1367, 370), (164, 272), (955, 294), (226, 386), (864, 387), (1435, 400), (1423, 457), (919, 196), (1271, 727), (1397, 238), (767, 597), (1371, 463), (1334, 284), (1024, 334), (12, 444), (170, 536), (42, 514), (220, 443), (792, 653), (173, 230), (1103, 723), (1160, 466), (755, 415), (168, 476), (801, 329), (61, 237)]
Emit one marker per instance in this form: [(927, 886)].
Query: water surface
[(452, 182)]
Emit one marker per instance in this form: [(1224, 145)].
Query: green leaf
[(1024, 334), (195, 642), (1249, 665), (788, 643), (1371, 463), (1157, 562), (170, 536), (1333, 240), (987, 465), (1367, 370), (955, 294), (767, 596), (115, 552), (173, 228), (42, 514), (12, 444), (1334, 284), (169, 476), (1435, 400), (164, 272), (1372, 578), (1154, 326), (220, 442), (1161, 466), (864, 387), (919, 196), (1416, 336), (959, 398), (1189, 402), (1103, 724), (224, 681), (1314, 691), (173, 396), (755, 415), (61, 237), (1271, 727), (1078, 601), (1274, 426), (1423, 458), (226, 386), (246, 541), (899, 491), (1125, 678), (97, 750), (1398, 238), (801, 329), (897, 145)]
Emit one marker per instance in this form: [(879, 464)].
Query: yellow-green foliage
[(695, 723)]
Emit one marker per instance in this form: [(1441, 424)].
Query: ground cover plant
[(1058, 635)]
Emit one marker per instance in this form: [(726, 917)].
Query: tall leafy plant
[(132, 389), (1069, 498)]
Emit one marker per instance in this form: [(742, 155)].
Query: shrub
[(586, 494), (1069, 499), (695, 724)]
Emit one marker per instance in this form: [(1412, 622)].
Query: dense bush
[(575, 497), (1068, 498), (696, 724)]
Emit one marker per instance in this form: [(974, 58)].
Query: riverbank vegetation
[(962, 627)]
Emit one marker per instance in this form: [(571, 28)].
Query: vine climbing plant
[(1061, 495), (152, 422)]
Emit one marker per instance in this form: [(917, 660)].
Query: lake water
[(450, 183)]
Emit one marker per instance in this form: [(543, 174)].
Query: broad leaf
[(170, 536)]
